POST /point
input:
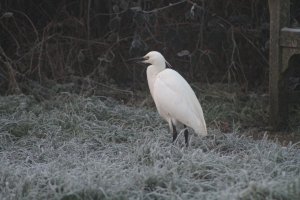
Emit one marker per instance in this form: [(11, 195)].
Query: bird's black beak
[(138, 59)]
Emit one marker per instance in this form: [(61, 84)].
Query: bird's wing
[(174, 97)]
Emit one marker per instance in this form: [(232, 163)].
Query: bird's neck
[(152, 72)]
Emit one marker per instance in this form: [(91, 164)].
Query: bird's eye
[(146, 57)]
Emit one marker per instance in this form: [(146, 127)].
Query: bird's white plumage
[(175, 100)]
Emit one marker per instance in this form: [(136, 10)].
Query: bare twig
[(88, 19), (165, 7), (31, 23)]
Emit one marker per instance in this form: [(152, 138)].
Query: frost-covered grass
[(72, 147)]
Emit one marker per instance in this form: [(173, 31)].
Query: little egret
[(174, 98)]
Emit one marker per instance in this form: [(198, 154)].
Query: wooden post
[(279, 18)]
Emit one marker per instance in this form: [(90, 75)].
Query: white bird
[(174, 98)]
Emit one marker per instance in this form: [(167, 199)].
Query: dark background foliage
[(84, 44)]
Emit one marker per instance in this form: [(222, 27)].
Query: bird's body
[(175, 100)]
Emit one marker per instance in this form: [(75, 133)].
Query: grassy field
[(73, 147)]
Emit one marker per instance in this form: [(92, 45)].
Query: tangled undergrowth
[(74, 147)]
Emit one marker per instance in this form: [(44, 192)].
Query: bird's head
[(154, 58)]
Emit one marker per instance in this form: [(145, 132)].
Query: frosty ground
[(75, 147)]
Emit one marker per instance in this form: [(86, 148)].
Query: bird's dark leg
[(174, 133), (186, 136)]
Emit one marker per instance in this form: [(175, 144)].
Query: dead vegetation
[(87, 43)]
